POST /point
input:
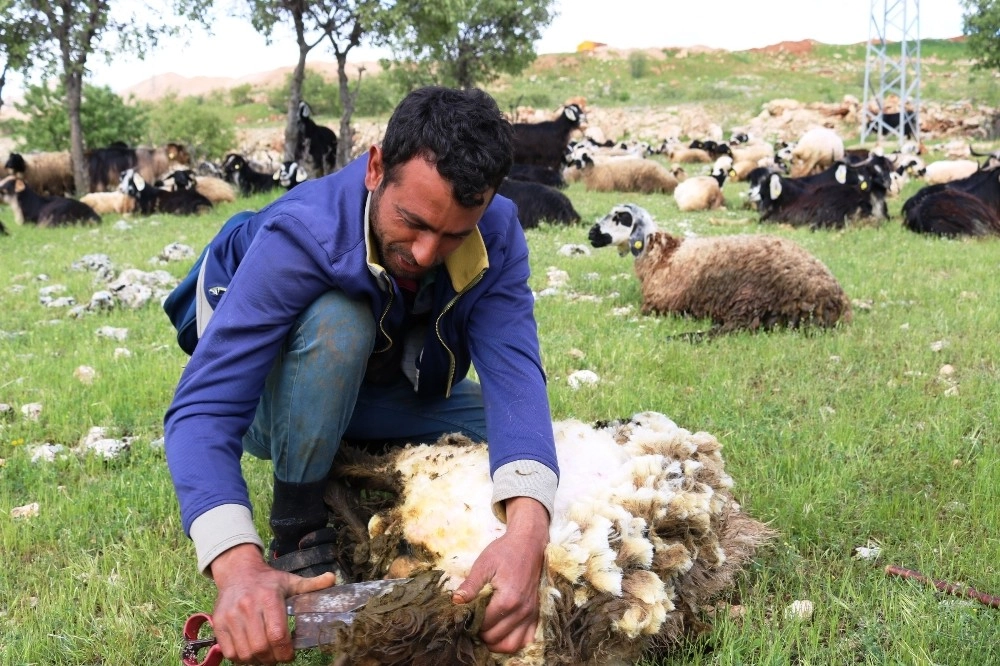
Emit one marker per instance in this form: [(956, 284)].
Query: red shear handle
[(193, 645)]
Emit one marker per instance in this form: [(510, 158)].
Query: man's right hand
[(250, 619)]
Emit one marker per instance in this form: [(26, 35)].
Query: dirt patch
[(798, 48)]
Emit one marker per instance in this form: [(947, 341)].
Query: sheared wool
[(645, 530)]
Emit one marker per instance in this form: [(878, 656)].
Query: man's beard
[(394, 257)]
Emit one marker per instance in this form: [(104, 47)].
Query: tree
[(981, 24), (15, 41), (61, 35), (343, 24), (104, 117), (464, 43)]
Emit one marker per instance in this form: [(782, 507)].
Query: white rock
[(32, 410), (111, 332), (85, 374), (26, 511), (581, 377), (800, 609), (46, 452), (574, 250)]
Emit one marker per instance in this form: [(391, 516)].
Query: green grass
[(836, 438)]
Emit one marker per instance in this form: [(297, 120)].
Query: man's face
[(415, 218)]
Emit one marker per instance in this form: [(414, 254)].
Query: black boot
[(302, 544)]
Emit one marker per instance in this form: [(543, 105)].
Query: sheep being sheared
[(644, 531), (739, 282)]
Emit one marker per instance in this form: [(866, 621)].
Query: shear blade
[(339, 598), (318, 629)]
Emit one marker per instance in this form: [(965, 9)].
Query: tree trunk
[(345, 142), (74, 95), (292, 125)]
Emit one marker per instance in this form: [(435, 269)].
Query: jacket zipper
[(437, 331)]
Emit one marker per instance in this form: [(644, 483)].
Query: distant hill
[(160, 85)]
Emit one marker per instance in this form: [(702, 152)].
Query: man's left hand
[(513, 566)]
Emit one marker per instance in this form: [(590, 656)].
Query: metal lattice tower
[(892, 82)]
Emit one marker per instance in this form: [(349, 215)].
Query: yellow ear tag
[(637, 245)]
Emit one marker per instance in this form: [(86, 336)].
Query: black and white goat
[(538, 203), (150, 199), (246, 179), (211, 187), (816, 206), (545, 143), (316, 144), (291, 174), (45, 211)]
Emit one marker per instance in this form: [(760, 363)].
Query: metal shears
[(316, 617)]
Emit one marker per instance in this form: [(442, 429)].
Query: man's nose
[(425, 249)]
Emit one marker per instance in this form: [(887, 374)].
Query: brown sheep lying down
[(645, 531), (753, 282)]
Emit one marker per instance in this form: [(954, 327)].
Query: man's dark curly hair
[(462, 132)]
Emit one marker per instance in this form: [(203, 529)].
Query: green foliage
[(638, 64), (322, 95), (981, 25), (104, 117), (204, 131), (241, 94), (465, 43)]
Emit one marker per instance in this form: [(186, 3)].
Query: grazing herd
[(814, 182)]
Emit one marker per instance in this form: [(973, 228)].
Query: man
[(353, 307)]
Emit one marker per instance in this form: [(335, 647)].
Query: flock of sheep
[(747, 281), (124, 179)]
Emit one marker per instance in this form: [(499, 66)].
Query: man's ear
[(375, 172)]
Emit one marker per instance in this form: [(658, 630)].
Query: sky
[(236, 50)]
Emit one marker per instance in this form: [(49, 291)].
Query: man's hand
[(250, 619), (513, 566)]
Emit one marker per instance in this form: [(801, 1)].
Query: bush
[(104, 117), (638, 64), (241, 94), (201, 129), (322, 95)]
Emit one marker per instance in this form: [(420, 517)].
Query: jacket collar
[(464, 265)]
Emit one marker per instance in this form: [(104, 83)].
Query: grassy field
[(883, 432)]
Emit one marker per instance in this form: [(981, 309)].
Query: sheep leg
[(345, 505)]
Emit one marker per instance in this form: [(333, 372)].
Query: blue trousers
[(315, 395)]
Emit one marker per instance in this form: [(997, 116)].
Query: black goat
[(935, 208), (536, 203), (315, 142), (247, 180), (816, 206), (545, 143), (945, 211), (29, 206), (537, 174), (105, 165), (890, 124), (150, 199)]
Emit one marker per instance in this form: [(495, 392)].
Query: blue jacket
[(274, 264)]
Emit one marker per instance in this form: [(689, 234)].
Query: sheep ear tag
[(637, 246), (841, 174), (775, 187)]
